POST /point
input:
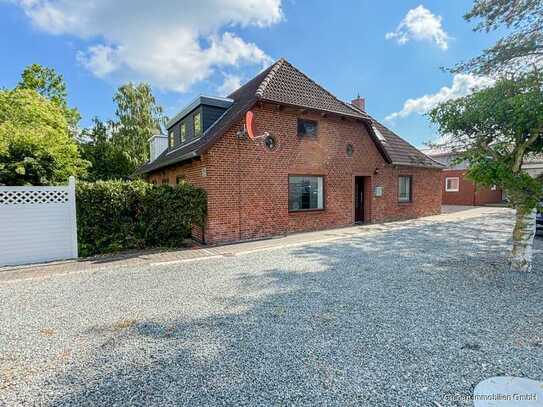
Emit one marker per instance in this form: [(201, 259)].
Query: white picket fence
[(37, 224)]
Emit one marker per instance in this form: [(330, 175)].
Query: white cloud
[(462, 85), (420, 24), (230, 84), (172, 44), (100, 59)]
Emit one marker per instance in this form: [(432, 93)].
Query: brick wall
[(468, 193), (247, 184)]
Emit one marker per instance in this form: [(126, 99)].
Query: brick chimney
[(359, 102)]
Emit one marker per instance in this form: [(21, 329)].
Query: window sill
[(294, 211), (405, 203)]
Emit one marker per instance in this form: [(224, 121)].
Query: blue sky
[(208, 46)]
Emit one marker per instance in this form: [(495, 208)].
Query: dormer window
[(307, 128), (170, 139), (197, 124), (183, 132)]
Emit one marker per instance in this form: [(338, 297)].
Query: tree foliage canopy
[(107, 157), (138, 117), (518, 50), (495, 129), (36, 146), (48, 83), (116, 148)]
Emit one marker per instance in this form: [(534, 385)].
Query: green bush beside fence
[(120, 215)]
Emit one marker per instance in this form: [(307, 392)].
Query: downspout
[(239, 187)]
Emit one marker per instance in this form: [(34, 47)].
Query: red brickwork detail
[(468, 193), (247, 184)]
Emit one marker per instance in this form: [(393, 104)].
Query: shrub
[(120, 215)]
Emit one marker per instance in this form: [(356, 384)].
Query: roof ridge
[(320, 86), (262, 87)]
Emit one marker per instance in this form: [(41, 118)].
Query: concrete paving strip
[(155, 259)]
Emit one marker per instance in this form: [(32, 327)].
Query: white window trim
[(320, 192), (409, 198), (447, 189)]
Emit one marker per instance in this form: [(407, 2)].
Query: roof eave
[(312, 109), (431, 167), (185, 157)]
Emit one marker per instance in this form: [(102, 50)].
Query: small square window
[(183, 132), (197, 124), (452, 184), (404, 189), (307, 128)]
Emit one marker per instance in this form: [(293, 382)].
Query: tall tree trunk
[(523, 240)]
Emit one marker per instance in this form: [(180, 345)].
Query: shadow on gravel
[(398, 318)]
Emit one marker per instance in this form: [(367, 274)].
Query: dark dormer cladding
[(189, 124)]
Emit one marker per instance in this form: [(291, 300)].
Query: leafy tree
[(48, 83), (107, 158), (520, 49), (494, 130), (35, 143), (118, 147), (138, 117)]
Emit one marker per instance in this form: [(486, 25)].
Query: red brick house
[(457, 189), (281, 154)]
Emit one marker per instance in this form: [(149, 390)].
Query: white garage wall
[(37, 224), (535, 169)]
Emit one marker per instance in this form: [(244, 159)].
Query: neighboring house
[(534, 166), (457, 189), (281, 154)]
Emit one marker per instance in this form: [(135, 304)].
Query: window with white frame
[(404, 188), (305, 193), (197, 118), (452, 184), (183, 132)]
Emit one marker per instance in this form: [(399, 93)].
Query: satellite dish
[(249, 127), (249, 117)]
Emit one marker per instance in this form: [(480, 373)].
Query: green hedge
[(120, 215)]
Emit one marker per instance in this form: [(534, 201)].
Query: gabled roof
[(287, 85), (283, 84)]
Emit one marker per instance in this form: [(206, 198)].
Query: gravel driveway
[(400, 317)]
